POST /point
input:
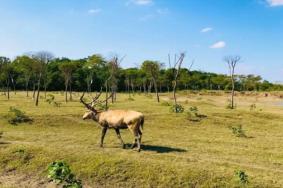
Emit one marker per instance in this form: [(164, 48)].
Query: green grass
[(176, 152)]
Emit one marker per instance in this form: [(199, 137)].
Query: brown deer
[(115, 119)]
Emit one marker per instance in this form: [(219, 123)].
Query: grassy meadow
[(176, 151)]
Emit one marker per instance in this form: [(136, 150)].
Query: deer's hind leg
[(137, 134)]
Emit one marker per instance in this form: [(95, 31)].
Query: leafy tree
[(6, 71), (67, 68), (152, 68)]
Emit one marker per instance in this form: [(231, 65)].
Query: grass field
[(176, 152)]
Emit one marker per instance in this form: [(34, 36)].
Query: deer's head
[(92, 112)]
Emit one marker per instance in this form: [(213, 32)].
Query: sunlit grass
[(176, 152)]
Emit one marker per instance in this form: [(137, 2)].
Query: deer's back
[(120, 117)]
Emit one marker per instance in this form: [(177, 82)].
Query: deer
[(115, 119)]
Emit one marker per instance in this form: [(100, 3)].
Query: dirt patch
[(11, 180)]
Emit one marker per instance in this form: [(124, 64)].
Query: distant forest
[(42, 70)]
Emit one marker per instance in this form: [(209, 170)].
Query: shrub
[(238, 131), (193, 114), (177, 108), (16, 116), (229, 105), (165, 103), (130, 99), (51, 100), (60, 173), (252, 107), (241, 176)]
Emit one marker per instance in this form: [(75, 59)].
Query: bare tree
[(43, 58), (176, 71), (113, 67), (232, 62)]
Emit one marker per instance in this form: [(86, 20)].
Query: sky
[(207, 30)]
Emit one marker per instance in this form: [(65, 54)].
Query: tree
[(232, 62), (152, 69), (25, 64), (42, 58), (6, 69), (176, 69), (67, 68)]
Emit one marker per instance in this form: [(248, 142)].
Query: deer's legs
[(138, 138), (104, 130), (119, 137), (140, 134), (134, 144)]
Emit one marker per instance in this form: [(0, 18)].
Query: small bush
[(51, 100), (193, 114), (131, 99), (16, 116), (229, 105), (241, 176), (165, 103), (177, 108), (252, 107), (60, 173), (238, 131)]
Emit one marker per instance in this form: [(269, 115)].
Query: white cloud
[(140, 2), (205, 30), (217, 45), (275, 3), (94, 11)]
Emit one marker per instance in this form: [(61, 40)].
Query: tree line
[(41, 71)]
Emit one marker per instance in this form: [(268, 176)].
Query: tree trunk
[(45, 87), (70, 91), (38, 90), (174, 94), (106, 101), (8, 88), (33, 95), (156, 90), (66, 91), (233, 91), (27, 87)]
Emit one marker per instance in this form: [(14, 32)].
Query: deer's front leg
[(104, 130), (120, 138)]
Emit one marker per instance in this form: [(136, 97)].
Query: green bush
[(16, 116), (165, 103), (193, 114), (238, 131), (252, 107), (60, 173), (229, 105), (177, 108), (241, 176), (51, 100)]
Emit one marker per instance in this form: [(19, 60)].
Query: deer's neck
[(97, 116)]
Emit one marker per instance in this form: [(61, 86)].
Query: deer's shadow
[(159, 149)]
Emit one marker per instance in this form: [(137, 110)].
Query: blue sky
[(207, 30)]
